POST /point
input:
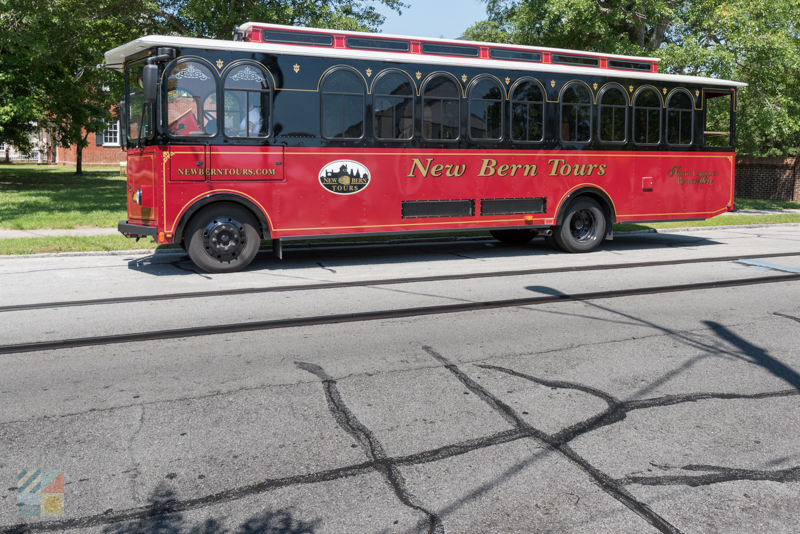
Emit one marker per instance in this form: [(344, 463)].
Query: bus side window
[(394, 107), (647, 118), (680, 111), (486, 110), (441, 112), (247, 102), (576, 114), (613, 123), (191, 100), (342, 106), (527, 112)]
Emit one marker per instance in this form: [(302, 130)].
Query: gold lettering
[(437, 170), (580, 171), (502, 170), (555, 163), (514, 169), (270, 171), (565, 170), (417, 164), (601, 171), (455, 170), (589, 169), (488, 165), (530, 170)]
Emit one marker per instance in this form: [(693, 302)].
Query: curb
[(180, 251)]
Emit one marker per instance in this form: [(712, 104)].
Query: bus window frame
[(268, 79), (661, 120), (165, 97), (460, 91), (626, 106), (473, 84), (511, 101), (679, 110), (322, 94), (413, 99), (155, 123), (591, 106)]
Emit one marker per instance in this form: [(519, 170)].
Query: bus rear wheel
[(222, 238), (513, 237), (583, 227)]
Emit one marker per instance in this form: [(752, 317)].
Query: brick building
[(103, 149), (768, 178)]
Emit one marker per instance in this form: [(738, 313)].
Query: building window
[(111, 135)]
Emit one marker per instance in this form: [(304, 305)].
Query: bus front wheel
[(222, 238), (583, 227)]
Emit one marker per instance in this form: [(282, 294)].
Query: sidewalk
[(10, 234)]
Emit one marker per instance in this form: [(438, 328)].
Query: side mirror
[(150, 83)]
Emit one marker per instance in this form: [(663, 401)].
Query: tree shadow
[(160, 520)]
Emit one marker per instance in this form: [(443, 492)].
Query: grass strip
[(727, 220), (48, 196), (38, 245), (762, 204)]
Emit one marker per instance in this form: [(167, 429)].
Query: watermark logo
[(40, 493)]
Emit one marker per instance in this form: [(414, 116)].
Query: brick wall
[(93, 154), (768, 178)]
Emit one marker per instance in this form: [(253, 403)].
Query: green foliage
[(753, 41), (216, 18)]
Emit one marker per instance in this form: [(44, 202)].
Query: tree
[(216, 18), (753, 41)]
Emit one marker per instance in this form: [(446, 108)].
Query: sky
[(433, 18)]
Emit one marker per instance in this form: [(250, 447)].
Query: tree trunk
[(79, 160), (8, 155)]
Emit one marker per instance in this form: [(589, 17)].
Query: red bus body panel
[(286, 185)]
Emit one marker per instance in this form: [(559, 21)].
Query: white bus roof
[(119, 55)]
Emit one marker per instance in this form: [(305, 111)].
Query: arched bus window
[(485, 110), (527, 112), (613, 123), (647, 117), (679, 118), (394, 106), (576, 114), (342, 105), (441, 112), (247, 97), (191, 100)]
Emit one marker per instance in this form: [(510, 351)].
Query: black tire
[(513, 237), (583, 227), (222, 238)]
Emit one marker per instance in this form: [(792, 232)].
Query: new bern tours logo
[(344, 177)]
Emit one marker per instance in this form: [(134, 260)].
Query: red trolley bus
[(289, 133)]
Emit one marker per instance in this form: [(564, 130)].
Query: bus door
[(187, 163), (245, 163)]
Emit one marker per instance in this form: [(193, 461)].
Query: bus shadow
[(402, 252)]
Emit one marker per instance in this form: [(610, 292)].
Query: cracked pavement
[(673, 412)]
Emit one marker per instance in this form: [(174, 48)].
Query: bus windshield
[(140, 114)]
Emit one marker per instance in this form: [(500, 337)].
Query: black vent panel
[(416, 209), (513, 206)]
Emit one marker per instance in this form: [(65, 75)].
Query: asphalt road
[(651, 386)]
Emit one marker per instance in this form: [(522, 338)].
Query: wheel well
[(218, 198), (598, 196)]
